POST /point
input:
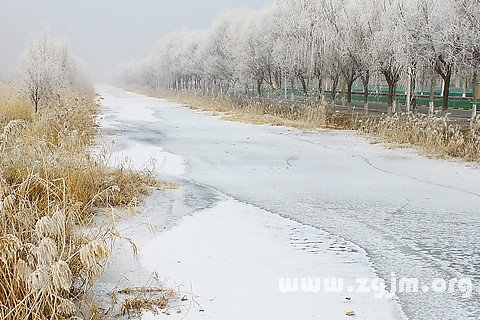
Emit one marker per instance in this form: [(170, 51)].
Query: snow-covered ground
[(259, 203), (233, 255)]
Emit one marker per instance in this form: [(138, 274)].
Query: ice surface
[(414, 216)]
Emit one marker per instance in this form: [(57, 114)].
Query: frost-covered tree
[(467, 27), (47, 67), (296, 24), (387, 47), (255, 60), (363, 28), (444, 43), (351, 36), (220, 47)]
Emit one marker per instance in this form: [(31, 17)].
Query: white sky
[(103, 33)]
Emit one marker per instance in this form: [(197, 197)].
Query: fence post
[(476, 97)]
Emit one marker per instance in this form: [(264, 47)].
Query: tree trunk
[(320, 87), (304, 85), (391, 97), (292, 84), (411, 101), (270, 80), (344, 98), (259, 87), (392, 80), (278, 79), (365, 82), (444, 69), (413, 90), (35, 96), (431, 100), (334, 87), (409, 89), (446, 89), (349, 93), (322, 91)]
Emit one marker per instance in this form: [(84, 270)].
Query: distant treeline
[(322, 44)]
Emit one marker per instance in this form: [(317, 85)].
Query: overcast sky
[(104, 33)]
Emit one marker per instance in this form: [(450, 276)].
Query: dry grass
[(13, 104), (153, 298), (250, 111), (433, 136), (132, 302), (50, 187)]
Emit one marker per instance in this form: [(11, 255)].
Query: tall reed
[(50, 188)]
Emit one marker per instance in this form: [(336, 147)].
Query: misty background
[(103, 33)]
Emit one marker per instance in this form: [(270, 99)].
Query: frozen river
[(415, 217)]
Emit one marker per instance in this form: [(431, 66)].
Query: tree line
[(322, 45)]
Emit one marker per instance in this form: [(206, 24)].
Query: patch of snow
[(141, 156), (232, 256)]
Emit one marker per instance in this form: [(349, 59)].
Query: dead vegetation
[(434, 136), (256, 112), (249, 111), (132, 302), (154, 297), (50, 188)]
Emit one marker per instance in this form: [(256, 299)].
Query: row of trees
[(321, 44), (47, 67)]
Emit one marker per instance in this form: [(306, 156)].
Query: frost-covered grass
[(435, 136), (50, 188), (13, 104)]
